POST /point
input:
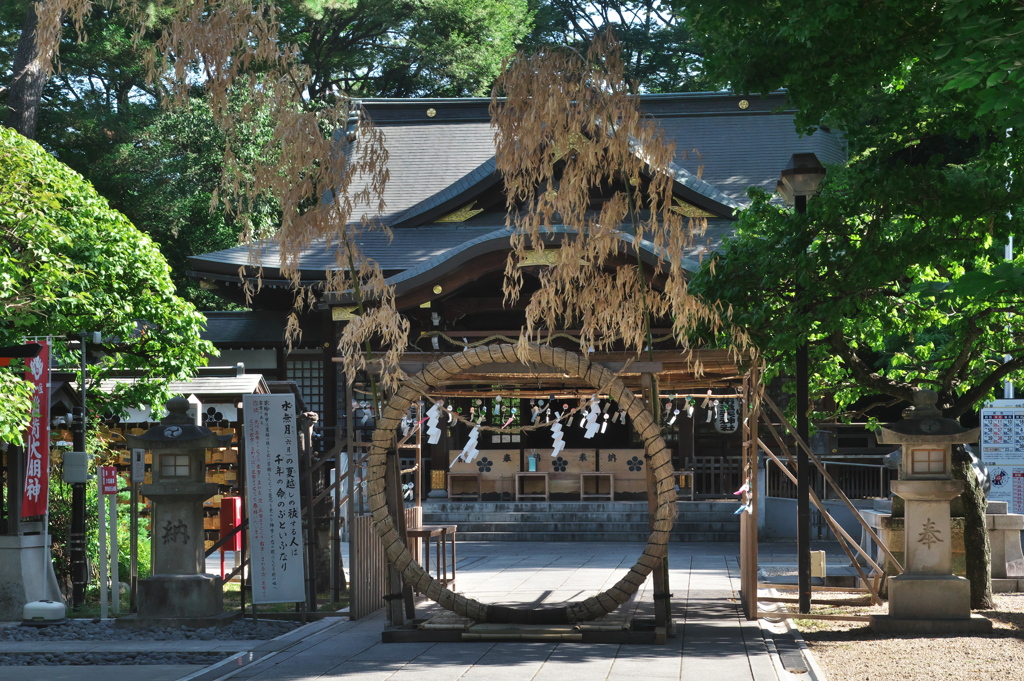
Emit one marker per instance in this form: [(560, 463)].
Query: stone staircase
[(589, 521)]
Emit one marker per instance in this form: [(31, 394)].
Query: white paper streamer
[(433, 432), (592, 414), (469, 452), (557, 444)]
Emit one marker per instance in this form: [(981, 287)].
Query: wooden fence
[(367, 563), (366, 558)]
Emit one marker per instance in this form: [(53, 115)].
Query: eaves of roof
[(495, 241)]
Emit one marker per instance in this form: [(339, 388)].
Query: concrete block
[(997, 507), (1002, 586), (180, 596), (887, 624), (1009, 521), (939, 597)]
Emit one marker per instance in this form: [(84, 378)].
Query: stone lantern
[(178, 590), (928, 597)]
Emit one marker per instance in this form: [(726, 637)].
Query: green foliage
[(980, 53), (660, 52), (69, 263), (870, 290), (166, 180), (402, 48), (894, 273)]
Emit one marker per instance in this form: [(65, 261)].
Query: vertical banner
[(273, 503), (37, 440)]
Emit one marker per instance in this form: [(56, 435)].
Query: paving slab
[(712, 641)]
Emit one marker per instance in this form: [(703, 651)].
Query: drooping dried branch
[(567, 127), (322, 166)]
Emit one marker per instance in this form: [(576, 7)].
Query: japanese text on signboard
[(275, 522)]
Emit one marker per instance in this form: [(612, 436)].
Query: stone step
[(596, 527), (537, 516), (696, 521), (693, 537), (433, 505)]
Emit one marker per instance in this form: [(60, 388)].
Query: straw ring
[(597, 376)]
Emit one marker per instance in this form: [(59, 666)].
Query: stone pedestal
[(178, 547), (22, 577), (1004, 537), (927, 527)]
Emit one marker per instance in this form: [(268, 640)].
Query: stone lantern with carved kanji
[(928, 597), (178, 590)]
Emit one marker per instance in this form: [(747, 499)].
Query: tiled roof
[(441, 152), (735, 152), (430, 163)]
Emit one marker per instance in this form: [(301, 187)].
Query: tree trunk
[(31, 70), (976, 544)]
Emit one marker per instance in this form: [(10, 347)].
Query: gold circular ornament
[(656, 455), (744, 104), (431, 112), (437, 289)]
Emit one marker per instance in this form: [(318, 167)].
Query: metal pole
[(133, 544), (115, 567), (102, 534), (803, 503), (76, 537), (1008, 383)]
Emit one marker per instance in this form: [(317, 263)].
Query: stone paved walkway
[(712, 643)]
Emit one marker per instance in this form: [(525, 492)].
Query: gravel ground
[(849, 651), (78, 659), (96, 630)]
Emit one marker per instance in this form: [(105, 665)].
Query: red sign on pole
[(108, 479), (37, 439)]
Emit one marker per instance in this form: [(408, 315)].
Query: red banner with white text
[(37, 440)]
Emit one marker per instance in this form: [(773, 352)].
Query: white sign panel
[(275, 511), (1002, 450)]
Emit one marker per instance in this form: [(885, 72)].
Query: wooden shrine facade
[(446, 211)]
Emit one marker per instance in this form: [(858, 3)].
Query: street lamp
[(798, 181)]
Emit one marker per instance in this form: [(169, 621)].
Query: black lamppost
[(799, 181), (76, 537)]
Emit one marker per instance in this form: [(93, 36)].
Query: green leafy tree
[(404, 48), (658, 49), (871, 276), (68, 263)]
